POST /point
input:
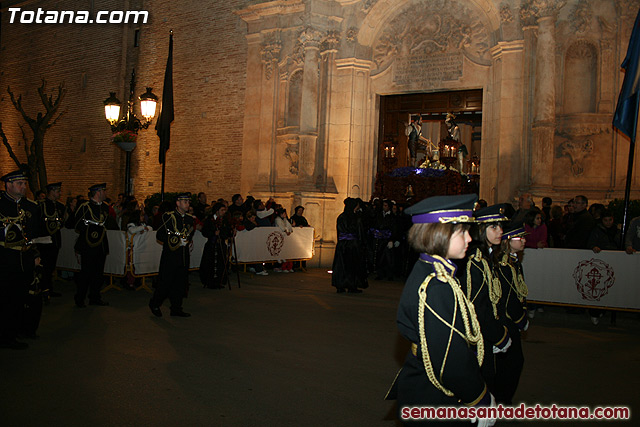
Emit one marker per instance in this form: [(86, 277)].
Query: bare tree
[(37, 170)]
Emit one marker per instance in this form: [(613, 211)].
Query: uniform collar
[(433, 259), (10, 197)]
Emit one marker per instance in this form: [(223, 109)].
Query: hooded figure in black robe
[(349, 263)]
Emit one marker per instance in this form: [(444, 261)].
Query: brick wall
[(94, 59)]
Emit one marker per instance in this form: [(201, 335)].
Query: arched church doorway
[(439, 153)]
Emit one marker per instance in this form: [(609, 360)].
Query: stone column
[(310, 40), (529, 29), (544, 107), (268, 103), (505, 153), (328, 49)]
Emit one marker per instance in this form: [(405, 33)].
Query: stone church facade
[(282, 98)]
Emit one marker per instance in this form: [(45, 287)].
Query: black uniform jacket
[(477, 275), (91, 225), (461, 372), (52, 213), (175, 230), (512, 307), (19, 223)]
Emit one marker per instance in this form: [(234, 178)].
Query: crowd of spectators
[(577, 226)]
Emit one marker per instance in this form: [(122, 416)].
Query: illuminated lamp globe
[(112, 108), (148, 101)]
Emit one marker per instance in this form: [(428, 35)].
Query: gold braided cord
[(493, 283), (461, 218), (495, 293), (13, 220), (471, 333), (46, 214), (86, 208), (93, 217), (517, 283), (183, 234)]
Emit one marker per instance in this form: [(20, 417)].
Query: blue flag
[(626, 115), (163, 126)]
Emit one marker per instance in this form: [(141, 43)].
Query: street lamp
[(125, 131)]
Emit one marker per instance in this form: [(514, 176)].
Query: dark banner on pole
[(626, 115), (163, 126)]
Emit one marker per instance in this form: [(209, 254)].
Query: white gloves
[(486, 422), (502, 349), (390, 245)]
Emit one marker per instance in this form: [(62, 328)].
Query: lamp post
[(125, 131)]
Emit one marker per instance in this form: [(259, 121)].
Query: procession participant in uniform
[(52, 212), (482, 287), (443, 366), (175, 234), (385, 234), (19, 257), (512, 311), (92, 245), (349, 265), (215, 256)]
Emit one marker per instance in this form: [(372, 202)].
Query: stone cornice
[(362, 64), (507, 47), (257, 12)]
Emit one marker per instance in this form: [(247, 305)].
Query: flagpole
[(627, 192), (163, 126), (162, 184)]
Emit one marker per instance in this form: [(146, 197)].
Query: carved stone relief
[(541, 8), (577, 151), (627, 7), (581, 50), (331, 41), (607, 29), (291, 153), (270, 54), (352, 34), (579, 133), (581, 17), (433, 27), (506, 15), (309, 37)]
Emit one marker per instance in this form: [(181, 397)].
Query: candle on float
[(393, 151), (386, 151)]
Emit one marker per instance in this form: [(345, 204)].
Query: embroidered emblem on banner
[(275, 241), (593, 279)]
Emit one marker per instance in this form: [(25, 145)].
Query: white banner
[(258, 245), (582, 277), (271, 244), (115, 262), (147, 252)]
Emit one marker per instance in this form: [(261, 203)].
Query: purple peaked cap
[(443, 209)]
